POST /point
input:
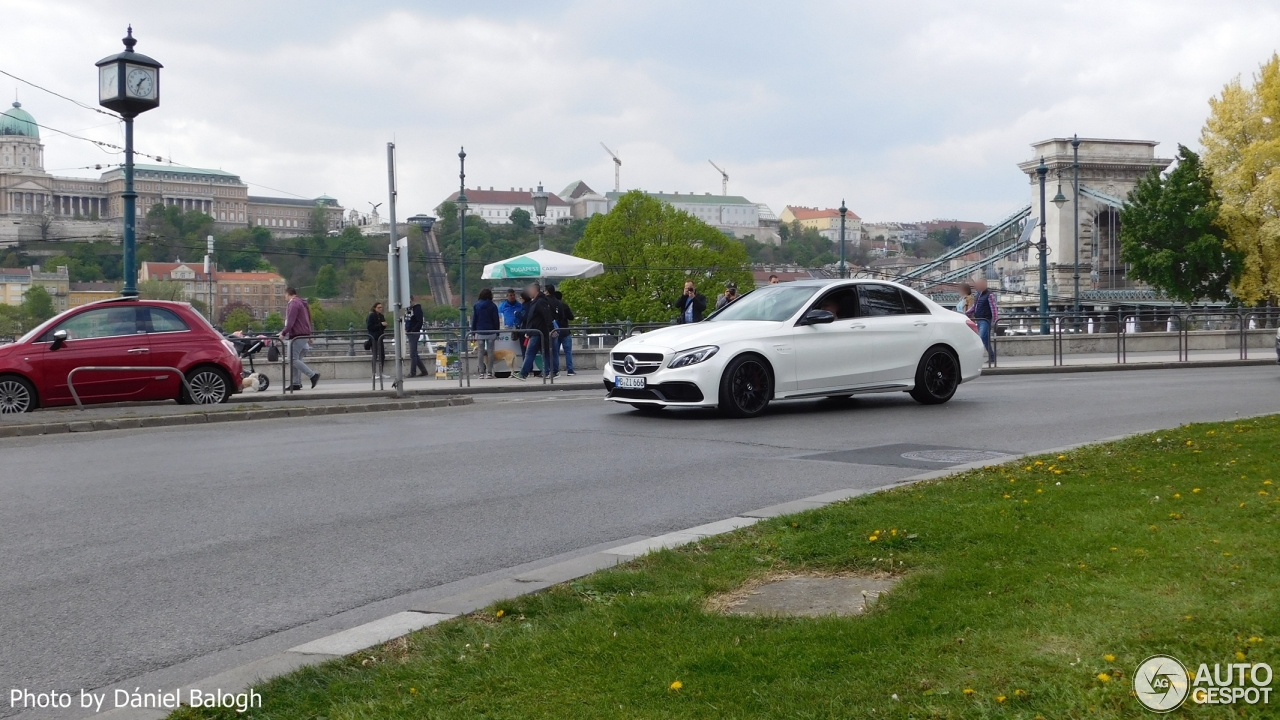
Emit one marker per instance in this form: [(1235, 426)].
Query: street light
[(540, 209), (462, 244), (129, 83), (1075, 208), (1044, 256), (843, 211)]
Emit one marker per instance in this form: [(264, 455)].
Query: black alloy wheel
[(746, 387), (937, 377), (209, 386), (16, 395)]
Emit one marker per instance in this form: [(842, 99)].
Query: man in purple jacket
[(297, 330)]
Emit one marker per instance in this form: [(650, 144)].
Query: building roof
[(295, 202), (808, 213), (258, 276), (164, 271), (506, 197), (14, 274), (173, 170), (576, 190), (690, 199), (16, 121)]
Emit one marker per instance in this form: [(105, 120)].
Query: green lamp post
[(129, 83)]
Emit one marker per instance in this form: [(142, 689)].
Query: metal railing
[(123, 368), (1126, 325)]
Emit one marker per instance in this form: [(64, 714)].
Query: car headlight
[(692, 356)]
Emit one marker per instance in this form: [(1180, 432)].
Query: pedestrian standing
[(985, 313), (966, 299), (691, 304), (297, 331), (509, 308), (413, 322), (376, 324), (561, 337), (537, 318), (730, 294), (773, 279), (485, 320)]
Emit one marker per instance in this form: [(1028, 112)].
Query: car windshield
[(774, 303)]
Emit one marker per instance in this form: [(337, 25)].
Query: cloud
[(908, 111)]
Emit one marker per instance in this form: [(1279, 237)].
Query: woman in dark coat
[(485, 321), (376, 324)]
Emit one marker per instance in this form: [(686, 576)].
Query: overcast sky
[(908, 110)]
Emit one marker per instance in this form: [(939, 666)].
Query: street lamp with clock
[(129, 83)]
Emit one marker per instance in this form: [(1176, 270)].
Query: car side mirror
[(59, 339), (818, 317)]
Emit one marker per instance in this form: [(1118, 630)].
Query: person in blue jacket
[(486, 322), (510, 308)]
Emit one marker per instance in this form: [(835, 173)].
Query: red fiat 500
[(120, 333)]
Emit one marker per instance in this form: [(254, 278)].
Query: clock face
[(140, 83), (108, 82)]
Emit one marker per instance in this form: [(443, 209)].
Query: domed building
[(35, 205)]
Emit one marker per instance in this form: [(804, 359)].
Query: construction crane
[(724, 178), (617, 169)]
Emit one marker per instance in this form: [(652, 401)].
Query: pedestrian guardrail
[(122, 368)]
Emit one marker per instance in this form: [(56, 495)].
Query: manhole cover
[(953, 457)]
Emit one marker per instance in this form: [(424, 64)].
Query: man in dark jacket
[(560, 316), (413, 322), (691, 304), (537, 316)]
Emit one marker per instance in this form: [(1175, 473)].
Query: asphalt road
[(125, 552)]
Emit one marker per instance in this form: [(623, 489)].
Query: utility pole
[(462, 254), (843, 211), (1044, 256), (396, 260)]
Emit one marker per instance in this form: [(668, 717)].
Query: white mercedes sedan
[(806, 339)]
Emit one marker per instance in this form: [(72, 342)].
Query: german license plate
[(630, 383)]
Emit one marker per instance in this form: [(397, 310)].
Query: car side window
[(879, 299), (843, 303), (99, 323), (913, 304), (162, 320)]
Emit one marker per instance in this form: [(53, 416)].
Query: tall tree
[(1241, 142), (649, 249), (327, 281), (1170, 234), (37, 305)]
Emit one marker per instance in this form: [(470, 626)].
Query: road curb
[(525, 387), (157, 421), (1038, 370)]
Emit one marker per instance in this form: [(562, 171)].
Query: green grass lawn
[(1031, 589)]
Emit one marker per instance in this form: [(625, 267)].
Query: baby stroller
[(246, 348)]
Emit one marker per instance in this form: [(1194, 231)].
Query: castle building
[(36, 205)]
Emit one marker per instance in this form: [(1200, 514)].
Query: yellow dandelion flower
[(1177, 496), (1027, 467), (1057, 472), (968, 691), (1114, 549), (1211, 432), (1175, 516), (1263, 492), (1020, 692), (1255, 640), (413, 691), (1195, 490), (675, 685), (1103, 677), (1186, 617), (1039, 490), (1241, 504), (1151, 527), (1006, 496), (1001, 698), (1109, 657), (873, 538), (1188, 442), (1062, 457), (1038, 463), (500, 613), (1226, 554), (1239, 655), (893, 532)]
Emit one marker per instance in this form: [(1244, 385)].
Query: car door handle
[(921, 324), (857, 327), (137, 351)]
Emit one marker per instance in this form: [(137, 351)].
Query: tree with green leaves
[(327, 281), (649, 249), (273, 323), (238, 319), (37, 305), (1171, 236)]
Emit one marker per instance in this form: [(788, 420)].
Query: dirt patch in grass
[(805, 594)]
